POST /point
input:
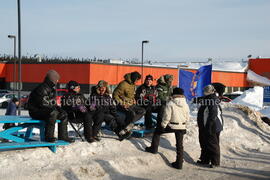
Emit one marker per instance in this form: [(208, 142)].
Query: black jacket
[(43, 97), (146, 93), (210, 114), (73, 102)]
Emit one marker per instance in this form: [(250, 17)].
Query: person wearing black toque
[(174, 119), (146, 97), (124, 94), (43, 106), (75, 104)]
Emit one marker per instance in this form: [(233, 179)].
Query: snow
[(217, 66), (244, 153), (266, 111), (252, 98), (255, 78)]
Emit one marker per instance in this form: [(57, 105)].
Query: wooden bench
[(24, 139)]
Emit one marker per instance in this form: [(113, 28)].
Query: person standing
[(175, 117), (164, 89), (43, 106), (210, 123), (146, 97)]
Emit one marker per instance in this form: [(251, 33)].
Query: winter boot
[(177, 165), (150, 150), (63, 133), (49, 131), (90, 140), (124, 136), (128, 128)]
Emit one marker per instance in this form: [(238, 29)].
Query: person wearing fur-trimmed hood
[(100, 96), (124, 94)]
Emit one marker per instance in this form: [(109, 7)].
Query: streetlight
[(14, 71), (19, 54), (145, 41)]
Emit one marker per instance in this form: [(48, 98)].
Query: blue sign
[(266, 94)]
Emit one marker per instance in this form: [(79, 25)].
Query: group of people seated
[(126, 106)]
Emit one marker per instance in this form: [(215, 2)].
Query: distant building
[(114, 61), (88, 74)]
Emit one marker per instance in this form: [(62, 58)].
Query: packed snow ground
[(245, 154)]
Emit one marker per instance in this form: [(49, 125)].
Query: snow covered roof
[(217, 66)]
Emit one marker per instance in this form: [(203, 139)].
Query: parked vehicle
[(5, 98), (4, 91)]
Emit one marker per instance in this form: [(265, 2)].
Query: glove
[(162, 129), (92, 107), (82, 108)]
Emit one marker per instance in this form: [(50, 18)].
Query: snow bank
[(111, 159), (218, 66), (266, 112), (252, 98)]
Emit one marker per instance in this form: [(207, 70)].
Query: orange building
[(260, 66), (88, 74)]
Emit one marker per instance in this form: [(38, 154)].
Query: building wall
[(35, 73), (89, 74), (115, 73), (260, 66), (2, 70)]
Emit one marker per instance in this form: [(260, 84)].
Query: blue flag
[(193, 83)]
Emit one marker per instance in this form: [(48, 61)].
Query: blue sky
[(177, 30)]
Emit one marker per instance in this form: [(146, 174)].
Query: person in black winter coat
[(146, 97), (100, 97), (42, 106), (75, 105), (210, 123), (11, 111)]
